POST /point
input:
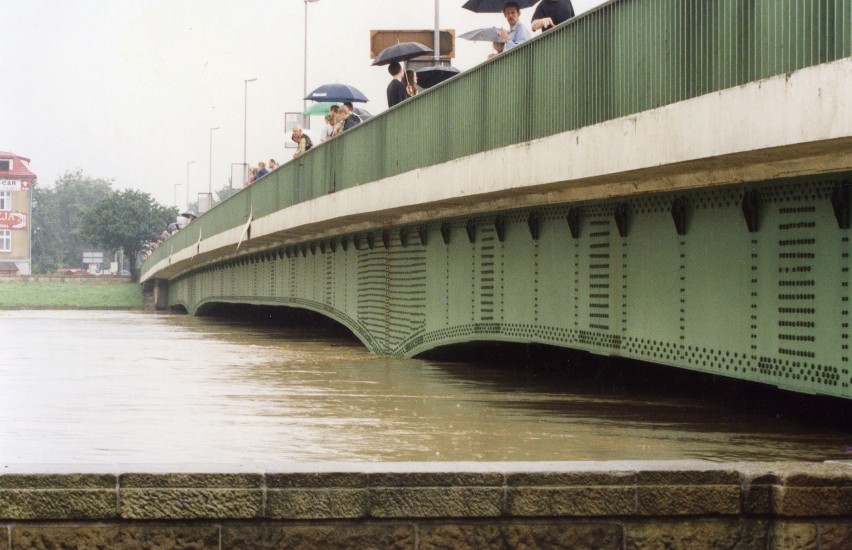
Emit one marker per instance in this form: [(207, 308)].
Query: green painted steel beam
[(677, 279)]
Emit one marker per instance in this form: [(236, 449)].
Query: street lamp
[(437, 36), (210, 182), (187, 182), (305, 87), (245, 124)]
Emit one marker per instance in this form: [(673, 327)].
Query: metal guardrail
[(624, 57)]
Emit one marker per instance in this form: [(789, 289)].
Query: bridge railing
[(622, 58)]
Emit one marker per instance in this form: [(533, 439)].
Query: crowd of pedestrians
[(403, 85)]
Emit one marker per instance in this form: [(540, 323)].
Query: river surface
[(104, 388)]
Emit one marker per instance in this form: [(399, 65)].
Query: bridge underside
[(747, 281)]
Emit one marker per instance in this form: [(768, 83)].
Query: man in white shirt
[(518, 31)]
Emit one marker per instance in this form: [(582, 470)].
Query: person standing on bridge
[(518, 31), (302, 141), (550, 13), (261, 170), (396, 89)]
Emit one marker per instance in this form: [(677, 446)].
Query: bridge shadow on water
[(666, 393), (618, 389), (276, 316)]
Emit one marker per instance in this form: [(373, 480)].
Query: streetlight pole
[(210, 182), (305, 81), (437, 36), (245, 125), (187, 182)]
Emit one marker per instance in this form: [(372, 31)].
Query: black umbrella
[(337, 93), (428, 77), (494, 6), (401, 52), (488, 34)]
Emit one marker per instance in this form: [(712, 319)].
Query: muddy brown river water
[(103, 388)]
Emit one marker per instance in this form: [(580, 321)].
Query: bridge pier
[(155, 295)]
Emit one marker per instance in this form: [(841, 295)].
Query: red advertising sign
[(13, 220)]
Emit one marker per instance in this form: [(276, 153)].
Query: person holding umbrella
[(550, 13), (396, 89), (518, 30)]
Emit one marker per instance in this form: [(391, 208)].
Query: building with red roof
[(16, 183)]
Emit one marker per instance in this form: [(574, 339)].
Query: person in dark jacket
[(550, 13), (396, 89)]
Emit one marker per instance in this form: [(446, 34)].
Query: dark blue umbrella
[(494, 6), (337, 93)]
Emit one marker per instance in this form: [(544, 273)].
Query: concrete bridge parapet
[(672, 504)]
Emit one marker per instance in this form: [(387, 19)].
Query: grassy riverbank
[(69, 295)]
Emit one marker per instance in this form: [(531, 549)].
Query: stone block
[(157, 503), (57, 481), (687, 500), (22, 504), (114, 537), (190, 481), (557, 479), (317, 480), (835, 536), (432, 502), (571, 501), (812, 501), (757, 499), (826, 474), (520, 535), (698, 535), (436, 479), (317, 503), (688, 477), (190, 496), (326, 536), (794, 536)]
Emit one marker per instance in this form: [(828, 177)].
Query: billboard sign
[(13, 220), (14, 185), (93, 258)]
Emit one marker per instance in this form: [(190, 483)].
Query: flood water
[(101, 388)]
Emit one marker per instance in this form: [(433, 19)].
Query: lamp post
[(210, 181), (187, 182), (305, 87), (245, 124), (437, 36)]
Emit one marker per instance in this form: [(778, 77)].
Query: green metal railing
[(624, 57)]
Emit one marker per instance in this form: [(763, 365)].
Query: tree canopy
[(57, 211), (127, 220)]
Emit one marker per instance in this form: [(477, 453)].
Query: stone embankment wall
[(684, 504)]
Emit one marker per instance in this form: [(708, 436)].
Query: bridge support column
[(155, 295)]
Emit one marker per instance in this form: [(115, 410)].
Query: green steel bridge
[(661, 180)]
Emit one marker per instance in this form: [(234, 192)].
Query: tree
[(126, 220), (57, 213), (226, 193)]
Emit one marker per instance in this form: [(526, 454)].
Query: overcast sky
[(129, 89)]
